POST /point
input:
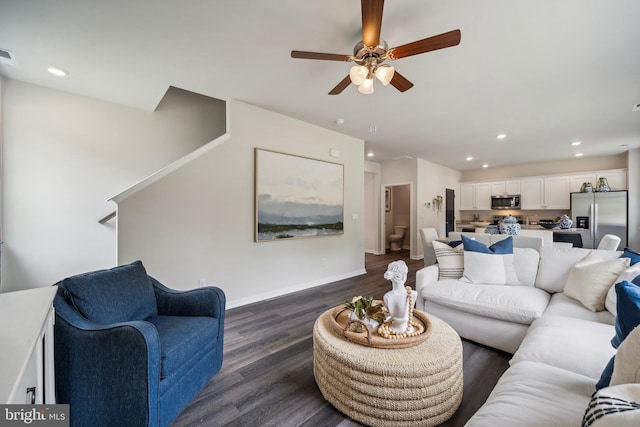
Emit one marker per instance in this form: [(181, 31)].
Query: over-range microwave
[(505, 202)]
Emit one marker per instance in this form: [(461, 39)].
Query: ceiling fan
[(370, 53)]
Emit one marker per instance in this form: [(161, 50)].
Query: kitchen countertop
[(526, 227)]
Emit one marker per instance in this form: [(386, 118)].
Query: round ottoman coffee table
[(415, 386)]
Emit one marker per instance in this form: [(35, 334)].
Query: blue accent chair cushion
[(112, 296), (627, 318), (130, 351)]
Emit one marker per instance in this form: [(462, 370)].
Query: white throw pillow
[(590, 279), (450, 260), (629, 274), (491, 265), (525, 263), (626, 368), (617, 406)]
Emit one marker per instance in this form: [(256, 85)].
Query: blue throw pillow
[(455, 243), (628, 317), (628, 253), (504, 246), (628, 310)]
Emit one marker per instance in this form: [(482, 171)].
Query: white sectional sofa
[(559, 346)]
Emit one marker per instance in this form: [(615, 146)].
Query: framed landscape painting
[(297, 197)]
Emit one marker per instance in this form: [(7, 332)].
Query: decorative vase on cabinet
[(509, 226), (603, 185), (565, 222)]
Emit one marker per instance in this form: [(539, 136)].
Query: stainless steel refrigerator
[(600, 214)]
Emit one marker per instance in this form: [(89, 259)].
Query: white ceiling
[(545, 72)]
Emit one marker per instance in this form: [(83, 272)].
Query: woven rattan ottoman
[(415, 386)]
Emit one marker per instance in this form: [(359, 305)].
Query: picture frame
[(297, 197)]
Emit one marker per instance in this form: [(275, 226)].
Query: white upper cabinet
[(512, 187), (483, 196), (532, 193), (505, 188), (467, 197), (576, 181), (556, 193), (498, 188), (617, 179), (475, 196), (545, 193)]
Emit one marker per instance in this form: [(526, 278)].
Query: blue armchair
[(130, 351)]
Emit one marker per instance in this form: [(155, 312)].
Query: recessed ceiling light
[(57, 71), (339, 121), (485, 165), (370, 154), (502, 136), (578, 154), (576, 143), (624, 146), (469, 158)]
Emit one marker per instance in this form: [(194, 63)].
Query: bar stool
[(574, 238)]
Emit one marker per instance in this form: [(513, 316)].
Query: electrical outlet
[(202, 282)]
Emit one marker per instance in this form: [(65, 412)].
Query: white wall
[(65, 155), (198, 221), (433, 180), (633, 178), (547, 168)]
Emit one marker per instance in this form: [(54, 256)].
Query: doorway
[(450, 219), (397, 216)]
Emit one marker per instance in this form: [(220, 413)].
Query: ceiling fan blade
[(400, 82), (323, 56), (452, 38), (341, 86), (371, 21)]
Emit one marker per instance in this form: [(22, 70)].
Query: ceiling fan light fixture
[(385, 73), (358, 74), (366, 87)]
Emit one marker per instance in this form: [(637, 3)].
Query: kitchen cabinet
[(26, 333), (617, 179), (505, 188), (532, 193), (576, 181), (556, 193), (545, 193), (475, 196)]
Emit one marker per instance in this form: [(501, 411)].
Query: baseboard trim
[(284, 291)]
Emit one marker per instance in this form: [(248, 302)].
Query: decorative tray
[(340, 322)]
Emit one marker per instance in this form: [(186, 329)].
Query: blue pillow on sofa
[(628, 253), (627, 318), (117, 295)]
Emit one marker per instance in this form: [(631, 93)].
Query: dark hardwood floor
[(267, 374)]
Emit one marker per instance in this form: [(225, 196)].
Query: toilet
[(396, 239)]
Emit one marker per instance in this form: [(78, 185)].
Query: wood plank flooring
[(267, 374)]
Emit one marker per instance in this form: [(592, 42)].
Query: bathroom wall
[(400, 213)]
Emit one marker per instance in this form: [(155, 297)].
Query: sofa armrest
[(119, 362), (424, 276), (208, 301)]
